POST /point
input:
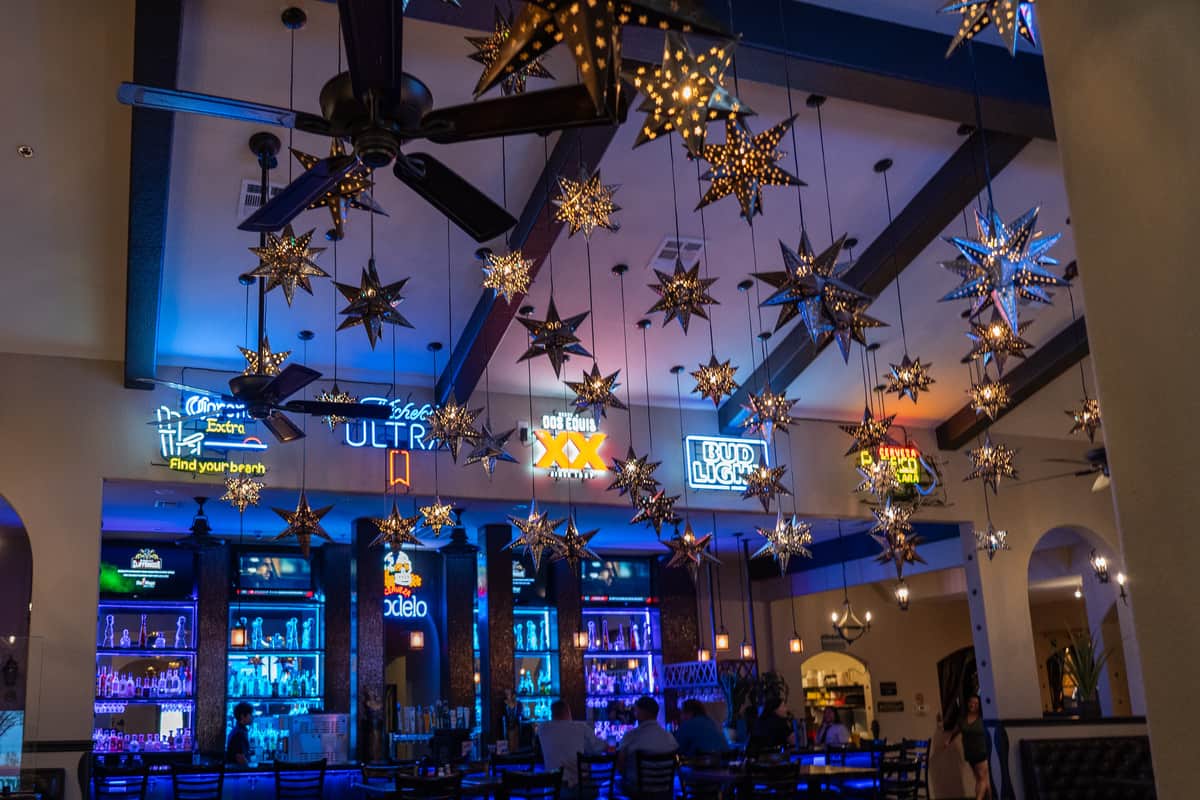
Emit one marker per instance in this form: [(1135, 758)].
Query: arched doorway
[(841, 682), (16, 585)]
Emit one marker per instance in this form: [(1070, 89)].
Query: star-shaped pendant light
[(372, 303), (909, 378), (487, 50), (768, 411), (1086, 418), (335, 395), (554, 337), (437, 516), (655, 510), (396, 530), (993, 342), (270, 362), (507, 275), (870, 433), (241, 491), (789, 537), (763, 483), (592, 32), (744, 164), (585, 203), (538, 535), (991, 462), (489, 448), (1010, 18), (684, 93), (894, 533), (990, 540), (989, 397), (594, 392), (878, 479), (799, 288), (848, 319), (892, 518), (1005, 265), (304, 523), (452, 424), (352, 191), (682, 294), (575, 545), (689, 550), (714, 380), (634, 475), (287, 261)]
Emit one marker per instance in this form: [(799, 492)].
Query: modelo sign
[(721, 462), (400, 583)]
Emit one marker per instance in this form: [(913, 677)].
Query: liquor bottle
[(634, 640), (620, 637), (605, 644), (142, 634), (593, 643), (647, 639)]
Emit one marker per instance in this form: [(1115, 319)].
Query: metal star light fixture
[(803, 282), (1086, 418), (489, 448), (585, 204), (437, 516), (990, 540), (870, 433), (335, 394), (352, 191), (241, 491), (767, 411), (655, 510), (993, 342), (714, 380), (594, 393), (682, 294), (269, 362), (452, 424), (689, 550), (991, 462), (396, 530), (304, 523), (575, 545), (878, 479), (789, 537), (989, 397), (372, 303), (894, 534), (763, 483), (1010, 18), (538, 535), (1004, 265), (287, 261), (634, 475), (684, 93), (487, 51), (554, 338), (507, 275), (744, 164)]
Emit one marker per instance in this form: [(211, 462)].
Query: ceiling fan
[(265, 399), (1096, 463), (378, 107), (200, 535)]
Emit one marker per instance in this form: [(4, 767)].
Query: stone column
[(1124, 78), (371, 692), (212, 641), (570, 659), (335, 563), (496, 641), (460, 563)]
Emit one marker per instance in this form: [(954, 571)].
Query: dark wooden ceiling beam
[(156, 33), (934, 207), (535, 233), (1065, 350)]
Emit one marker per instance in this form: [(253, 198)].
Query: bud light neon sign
[(720, 462)]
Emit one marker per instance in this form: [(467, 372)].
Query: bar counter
[(251, 783)]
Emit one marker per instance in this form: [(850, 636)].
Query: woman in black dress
[(977, 747)]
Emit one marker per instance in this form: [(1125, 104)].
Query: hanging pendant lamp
[(848, 625)]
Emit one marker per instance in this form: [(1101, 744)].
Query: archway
[(1069, 600), (841, 682), (16, 585)]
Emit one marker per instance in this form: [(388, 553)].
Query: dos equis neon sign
[(570, 446)]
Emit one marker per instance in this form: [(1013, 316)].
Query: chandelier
[(1100, 567), (848, 625)]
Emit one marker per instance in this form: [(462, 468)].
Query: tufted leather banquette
[(1102, 768)]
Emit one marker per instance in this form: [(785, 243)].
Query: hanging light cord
[(716, 555), (712, 343), (887, 196), (546, 170), (1082, 372), (646, 370), (742, 585), (987, 161), (291, 104), (750, 330), (679, 407), (333, 333), (787, 79), (532, 461), (625, 342), (842, 553), (825, 170), (436, 490)]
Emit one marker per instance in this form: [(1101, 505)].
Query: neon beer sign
[(721, 462), (400, 583), (570, 446), (404, 430)]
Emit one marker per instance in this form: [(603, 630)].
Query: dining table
[(814, 775)]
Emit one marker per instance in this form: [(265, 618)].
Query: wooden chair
[(197, 783), (516, 785), (655, 776), (597, 774), (919, 749), (447, 787), (521, 761), (299, 780), (122, 782), (771, 780), (898, 779)]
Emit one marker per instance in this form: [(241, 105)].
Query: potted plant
[(1084, 665)]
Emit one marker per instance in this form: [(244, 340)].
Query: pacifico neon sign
[(570, 446), (404, 430), (720, 462), (912, 471)]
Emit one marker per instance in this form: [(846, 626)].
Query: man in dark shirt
[(237, 751), (697, 733), (773, 730)]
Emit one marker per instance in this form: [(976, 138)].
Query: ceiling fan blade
[(299, 194), (142, 96), (283, 428), (292, 379), (373, 31), (530, 112), (1067, 461), (349, 410), (183, 387), (448, 192), (1055, 477)]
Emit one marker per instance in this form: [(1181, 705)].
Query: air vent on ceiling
[(250, 198), (685, 248)]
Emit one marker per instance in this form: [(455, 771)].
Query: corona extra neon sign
[(720, 462), (404, 430), (207, 424), (399, 585), (570, 446)]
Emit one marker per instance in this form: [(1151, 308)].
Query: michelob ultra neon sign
[(570, 446)]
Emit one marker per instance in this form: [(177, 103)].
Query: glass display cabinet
[(623, 661), (279, 665), (535, 631)]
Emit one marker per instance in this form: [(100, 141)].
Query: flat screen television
[(618, 580), (145, 570), (531, 587), (273, 574)]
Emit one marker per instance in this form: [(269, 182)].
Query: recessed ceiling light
[(24, 151)]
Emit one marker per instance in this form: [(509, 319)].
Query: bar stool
[(655, 776), (299, 780), (119, 782), (446, 787), (197, 783), (597, 773), (530, 785)]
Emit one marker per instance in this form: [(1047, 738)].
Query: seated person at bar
[(697, 733), (237, 751), (562, 739), (832, 731), (773, 729), (647, 737)]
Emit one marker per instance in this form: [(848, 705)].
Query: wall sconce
[(237, 634), (1121, 579), (902, 595), (1100, 567), (796, 644), (580, 640), (704, 654), (747, 651), (722, 642), (476, 678), (416, 640)]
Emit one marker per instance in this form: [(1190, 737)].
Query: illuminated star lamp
[(554, 337), (789, 537), (909, 378), (487, 51), (335, 395), (594, 393), (869, 433), (396, 530), (656, 510), (990, 540), (989, 397), (1010, 18), (287, 261), (634, 475), (689, 550), (352, 191), (744, 164), (714, 380), (768, 411), (507, 275), (489, 448), (1086, 418), (763, 483), (585, 204), (304, 523), (241, 491), (538, 537), (451, 424), (372, 303), (682, 294), (437, 516), (270, 362), (990, 462)]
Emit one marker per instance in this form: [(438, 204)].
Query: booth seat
[(1094, 768)]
